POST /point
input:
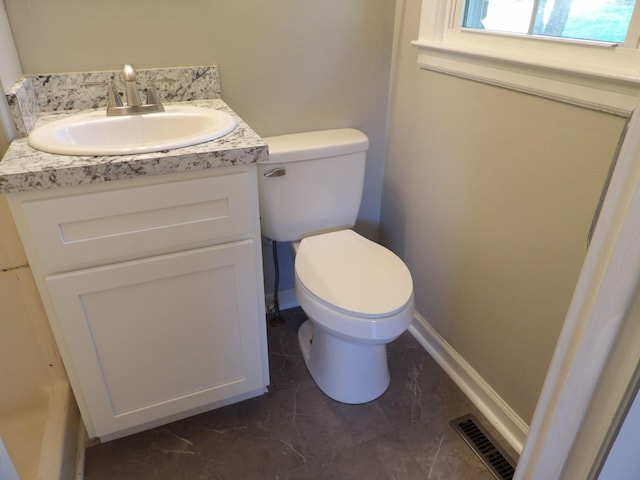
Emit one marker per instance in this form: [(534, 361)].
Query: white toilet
[(357, 294)]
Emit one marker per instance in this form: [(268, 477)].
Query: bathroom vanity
[(149, 267)]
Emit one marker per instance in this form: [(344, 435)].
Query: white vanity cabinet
[(153, 287)]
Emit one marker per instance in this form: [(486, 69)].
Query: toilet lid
[(354, 274)]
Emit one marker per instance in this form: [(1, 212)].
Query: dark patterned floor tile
[(295, 432)]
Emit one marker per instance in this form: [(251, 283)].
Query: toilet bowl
[(358, 295)]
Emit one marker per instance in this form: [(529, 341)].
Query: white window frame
[(598, 75)]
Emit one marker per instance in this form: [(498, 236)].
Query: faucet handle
[(152, 95), (153, 99), (114, 99)]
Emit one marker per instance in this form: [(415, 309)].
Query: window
[(583, 52), (599, 20)]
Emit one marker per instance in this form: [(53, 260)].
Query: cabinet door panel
[(153, 337)]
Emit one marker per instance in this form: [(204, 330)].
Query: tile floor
[(295, 432)]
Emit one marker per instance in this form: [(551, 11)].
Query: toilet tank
[(312, 183)]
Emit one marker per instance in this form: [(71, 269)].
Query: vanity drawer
[(95, 228)]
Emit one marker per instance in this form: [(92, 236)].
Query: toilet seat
[(353, 275)]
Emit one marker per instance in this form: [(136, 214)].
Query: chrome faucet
[(134, 103), (133, 97)]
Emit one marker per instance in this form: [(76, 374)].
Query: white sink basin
[(93, 133)]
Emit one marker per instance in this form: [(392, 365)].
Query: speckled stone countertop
[(24, 168)]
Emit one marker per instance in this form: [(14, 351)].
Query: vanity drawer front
[(114, 225)]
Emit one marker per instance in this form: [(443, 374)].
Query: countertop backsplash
[(33, 95)]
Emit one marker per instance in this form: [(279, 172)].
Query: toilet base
[(345, 371)]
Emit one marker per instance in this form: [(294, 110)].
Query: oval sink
[(94, 133)]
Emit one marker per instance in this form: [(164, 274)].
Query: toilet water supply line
[(275, 319)]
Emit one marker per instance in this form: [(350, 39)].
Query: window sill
[(606, 79)]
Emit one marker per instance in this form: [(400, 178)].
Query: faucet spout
[(133, 97), (134, 102)]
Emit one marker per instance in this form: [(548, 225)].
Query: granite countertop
[(24, 168)]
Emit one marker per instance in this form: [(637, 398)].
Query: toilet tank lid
[(318, 144)]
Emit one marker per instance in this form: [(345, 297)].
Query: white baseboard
[(286, 299), (493, 407)]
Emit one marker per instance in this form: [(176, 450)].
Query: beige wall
[(488, 194), (286, 65), (10, 69)]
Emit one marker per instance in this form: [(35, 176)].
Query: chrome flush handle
[(276, 172)]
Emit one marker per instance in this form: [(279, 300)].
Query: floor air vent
[(497, 461)]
